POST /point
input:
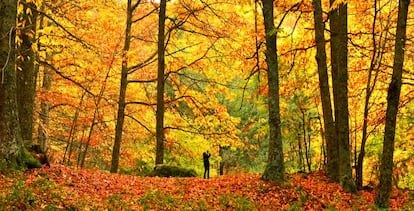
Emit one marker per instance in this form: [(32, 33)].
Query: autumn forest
[(294, 99)]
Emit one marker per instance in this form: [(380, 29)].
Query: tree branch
[(67, 77)]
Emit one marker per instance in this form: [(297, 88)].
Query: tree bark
[(44, 107), (122, 91), (329, 124), (308, 147), (26, 73), (159, 157), (44, 111), (394, 92), (339, 62), (10, 136), (300, 153), (275, 167)]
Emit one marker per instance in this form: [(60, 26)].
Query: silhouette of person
[(206, 156)]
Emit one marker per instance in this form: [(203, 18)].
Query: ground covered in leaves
[(61, 187)]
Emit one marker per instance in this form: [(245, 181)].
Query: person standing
[(206, 156)]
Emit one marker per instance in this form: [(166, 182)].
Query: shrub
[(172, 171)]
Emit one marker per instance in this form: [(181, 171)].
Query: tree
[(10, 135), (122, 91), (159, 133), (12, 150), (44, 111), (275, 167), (44, 106), (339, 63), (26, 73), (372, 76), (394, 91), (329, 124)]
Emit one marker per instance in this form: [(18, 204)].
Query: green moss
[(26, 160), (172, 171), (23, 160), (348, 184), (274, 173)]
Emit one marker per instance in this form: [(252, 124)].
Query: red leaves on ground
[(82, 188)]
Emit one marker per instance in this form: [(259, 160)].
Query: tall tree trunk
[(44, 111), (80, 146), (159, 157), (339, 62), (122, 91), (26, 73), (42, 135), (368, 91), (300, 154), (394, 91), (72, 133), (308, 147), (322, 160), (95, 115), (221, 154), (10, 136), (329, 124), (275, 168)]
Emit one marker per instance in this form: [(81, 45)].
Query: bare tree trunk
[(26, 72), (308, 147), (300, 153), (275, 168), (72, 132), (322, 161), (44, 112), (221, 154), (95, 114), (159, 157), (339, 57), (122, 90), (42, 135), (80, 145), (378, 50), (300, 138), (12, 150), (368, 91), (10, 136), (329, 124), (394, 92)]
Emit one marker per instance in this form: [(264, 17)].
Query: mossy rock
[(22, 161), (172, 171), (29, 160)]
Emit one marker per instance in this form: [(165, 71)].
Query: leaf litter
[(66, 187)]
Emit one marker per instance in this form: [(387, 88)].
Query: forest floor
[(66, 188)]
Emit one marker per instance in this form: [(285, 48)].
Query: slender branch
[(67, 78), (140, 123), (60, 104), (154, 104), (193, 62), (63, 28), (143, 81), (140, 103), (146, 62), (287, 12), (408, 83), (144, 16), (135, 5), (196, 132)]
